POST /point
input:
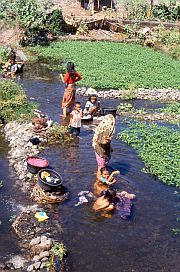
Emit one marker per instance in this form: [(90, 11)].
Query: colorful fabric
[(71, 80), (104, 180), (102, 162), (75, 118), (69, 97), (123, 206)]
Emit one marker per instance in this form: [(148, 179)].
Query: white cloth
[(75, 118)]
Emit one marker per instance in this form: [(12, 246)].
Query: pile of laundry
[(83, 197)]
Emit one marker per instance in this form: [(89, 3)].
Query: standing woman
[(70, 78), (102, 141)]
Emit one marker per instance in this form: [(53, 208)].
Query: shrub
[(13, 105), (166, 12)]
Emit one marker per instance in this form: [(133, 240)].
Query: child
[(75, 120), (71, 77), (92, 106), (105, 202), (105, 180)]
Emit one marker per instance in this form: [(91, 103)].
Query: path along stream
[(145, 243)]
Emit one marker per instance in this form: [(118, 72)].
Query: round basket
[(49, 185), (34, 164)]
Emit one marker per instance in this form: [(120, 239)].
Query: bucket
[(49, 186), (109, 111), (34, 164)]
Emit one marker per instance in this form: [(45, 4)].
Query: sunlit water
[(144, 243)]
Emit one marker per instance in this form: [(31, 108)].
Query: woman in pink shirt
[(70, 78)]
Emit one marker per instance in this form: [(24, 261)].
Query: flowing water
[(145, 243)]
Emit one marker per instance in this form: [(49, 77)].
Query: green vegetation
[(158, 147), (4, 54), (164, 10), (172, 108), (169, 113), (33, 18), (58, 251), (1, 183), (115, 65), (13, 105), (57, 134)]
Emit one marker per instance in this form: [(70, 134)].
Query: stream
[(145, 243)]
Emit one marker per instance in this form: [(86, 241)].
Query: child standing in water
[(75, 120), (70, 78), (105, 180)]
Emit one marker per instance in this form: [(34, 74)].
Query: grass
[(115, 65), (13, 105), (4, 54), (158, 147)]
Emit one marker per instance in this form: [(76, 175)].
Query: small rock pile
[(40, 247), (18, 135), (35, 238), (141, 93)]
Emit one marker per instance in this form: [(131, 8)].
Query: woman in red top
[(70, 78)]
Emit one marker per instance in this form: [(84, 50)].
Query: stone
[(43, 238), (43, 265), (37, 265), (44, 254), (18, 261), (36, 258), (30, 268), (91, 91), (44, 259), (35, 241)]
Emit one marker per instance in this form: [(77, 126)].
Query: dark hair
[(12, 55), (110, 195), (70, 69), (77, 103), (103, 169), (89, 99)]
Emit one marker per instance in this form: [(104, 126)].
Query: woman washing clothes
[(102, 141), (110, 200), (70, 78)]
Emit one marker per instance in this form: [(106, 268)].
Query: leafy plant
[(166, 12), (59, 250), (172, 108), (176, 231), (82, 29), (157, 147), (57, 134), (4, 53), (13, 105), (1, 183), (12, 218), (115, 65), (128, 94)]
